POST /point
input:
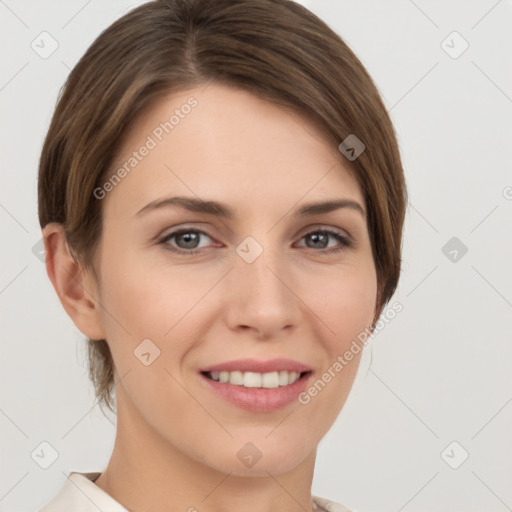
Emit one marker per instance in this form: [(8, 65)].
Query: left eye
[(322, 236), (189, 239)]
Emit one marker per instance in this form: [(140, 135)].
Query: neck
[(146, 472)]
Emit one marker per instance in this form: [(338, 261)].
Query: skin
[(177, 442)]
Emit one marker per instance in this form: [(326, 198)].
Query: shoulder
[(325, 505)]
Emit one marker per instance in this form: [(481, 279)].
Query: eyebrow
[(218, 209)]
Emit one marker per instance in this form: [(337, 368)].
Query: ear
[(76, 289)]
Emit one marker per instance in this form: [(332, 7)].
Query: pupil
[(189, 238), (318, 236)]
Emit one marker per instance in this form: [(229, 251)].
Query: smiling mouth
[(268, 380)]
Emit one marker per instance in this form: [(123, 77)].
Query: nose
[(259, 291)]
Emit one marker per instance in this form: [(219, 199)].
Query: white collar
[(80, 494)]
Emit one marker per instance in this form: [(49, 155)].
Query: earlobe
[(76, 292)]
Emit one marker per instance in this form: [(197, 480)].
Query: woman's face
[(263, 284)]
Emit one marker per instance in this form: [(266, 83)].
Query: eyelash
[(345, 241)]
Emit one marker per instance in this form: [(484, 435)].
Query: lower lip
[(258, 399)]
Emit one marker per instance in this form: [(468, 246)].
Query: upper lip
[(258, 366)]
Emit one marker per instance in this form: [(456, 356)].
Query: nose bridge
[(261, 298), (259, 262)]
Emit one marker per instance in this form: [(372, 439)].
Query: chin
[(259, 458)]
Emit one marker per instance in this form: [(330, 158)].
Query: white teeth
[(252, 380), (236, 378), (270, 380), (256, 380)]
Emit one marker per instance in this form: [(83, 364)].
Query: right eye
[(189, 238)]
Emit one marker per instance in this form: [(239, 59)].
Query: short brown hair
[(277, 50)]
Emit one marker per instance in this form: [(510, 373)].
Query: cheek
[(345, 301), (143, 300), (345, 305), (150, 298), (145, 318), (345, 309)]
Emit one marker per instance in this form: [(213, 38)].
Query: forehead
[(229, 144)]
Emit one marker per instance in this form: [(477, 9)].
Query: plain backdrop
[(429, 427)]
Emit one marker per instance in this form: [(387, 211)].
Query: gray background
[(441, 370)]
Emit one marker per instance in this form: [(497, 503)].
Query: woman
[(222, 198)]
